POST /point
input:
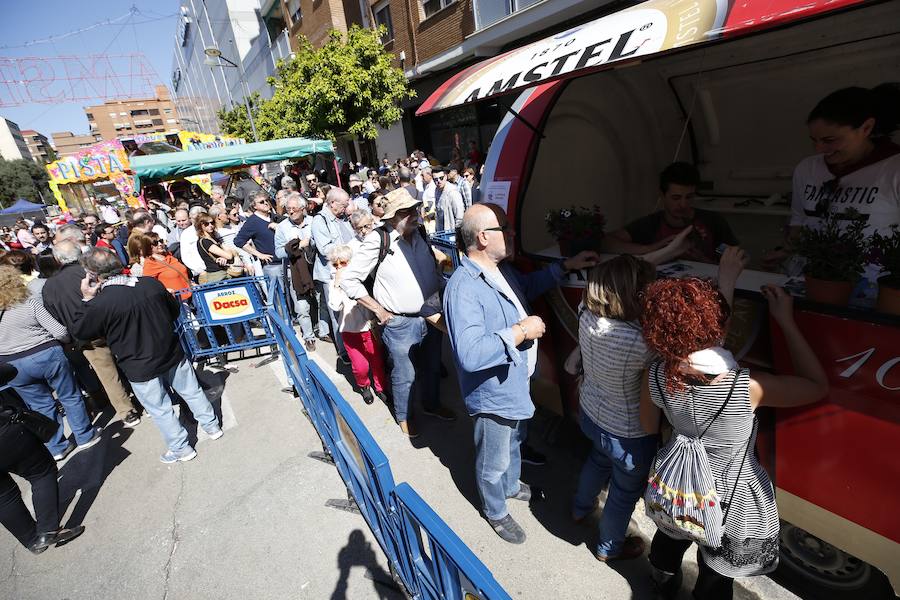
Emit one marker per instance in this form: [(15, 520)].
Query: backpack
[(384, 248), (681, 496)]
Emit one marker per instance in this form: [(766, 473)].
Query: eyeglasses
[(312, 180), (340, 263), (504, 228), (439, 177), (159, 243), (207, 223)]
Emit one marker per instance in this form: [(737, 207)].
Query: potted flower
[(836, 254), (576, 228), (886, 252)]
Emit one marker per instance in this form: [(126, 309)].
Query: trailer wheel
[(813, 568)]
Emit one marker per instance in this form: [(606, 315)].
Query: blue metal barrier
[(445, 241), (446, 569), (220, 317), (365, 470)]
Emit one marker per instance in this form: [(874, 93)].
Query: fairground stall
[(727, 86), (101, 170)]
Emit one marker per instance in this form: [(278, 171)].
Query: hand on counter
[(781, 304), (732, 263)]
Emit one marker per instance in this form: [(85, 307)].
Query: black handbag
[(43, 427)]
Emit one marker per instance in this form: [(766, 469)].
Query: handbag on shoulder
[(43, 427)]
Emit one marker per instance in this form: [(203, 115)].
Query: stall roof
[(628, 35), (160, 167), (22, 206)]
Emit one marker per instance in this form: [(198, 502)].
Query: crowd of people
[(360, 273)]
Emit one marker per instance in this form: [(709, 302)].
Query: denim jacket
[(492, 371)]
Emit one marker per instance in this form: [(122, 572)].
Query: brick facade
[(438, 33), (126, 118), (316, 19)]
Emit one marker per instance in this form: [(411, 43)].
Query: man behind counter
[(677, 188)]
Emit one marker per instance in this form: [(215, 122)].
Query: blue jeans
[(47, 370), (498, 462), (272, 272), (415, 350), (301, 308), (625, 464), (156, 401)]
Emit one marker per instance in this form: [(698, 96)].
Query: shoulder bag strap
[(168, 266), (721, 408)]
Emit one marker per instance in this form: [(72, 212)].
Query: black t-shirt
[(710, 231), (209, 259)]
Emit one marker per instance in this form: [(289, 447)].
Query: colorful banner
[(639, 31), (105, 160), (191, 140)]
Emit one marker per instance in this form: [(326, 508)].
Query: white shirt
[(427, 197), (873, 190), (500, 281), (407, 281), (354, 317), (109, 214), (190, 255)]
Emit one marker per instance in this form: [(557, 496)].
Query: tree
[(22, 178), (235, 123), (342, 87)]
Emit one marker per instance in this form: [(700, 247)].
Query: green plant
[(348, 86), (575, 223), (838, 249), (886, 252), (234, 121)]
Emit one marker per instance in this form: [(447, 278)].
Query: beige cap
[(398, 200)]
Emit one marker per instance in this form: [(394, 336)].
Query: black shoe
[(532, 456), (367, 395), (131, 419), (42, 541), (345, 360), (326, 338), (508, 530), (524, 493), (382, 396)]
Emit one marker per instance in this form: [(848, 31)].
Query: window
[(157, 122), (89, 116), (294, 11), (382, 12), (139, 113), (432, 6), (171, 120), (113, 115), (167, 111), (154, 111), (123, 114)]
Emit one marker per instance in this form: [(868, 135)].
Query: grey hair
[(217, 190), (261, 194), (103, 262), (296, 197), (358, 218), (340, 253), (215, 210), (426, 170), (70, 232), (335, 195), (195, 211), (67, 252), (404, 174), (288, 182)]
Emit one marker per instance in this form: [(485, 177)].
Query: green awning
[(175, 165)]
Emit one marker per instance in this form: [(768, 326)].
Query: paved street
[(247, 517)]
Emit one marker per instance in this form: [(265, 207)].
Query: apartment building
[(67, 143), (38, 146), (12, 144), (125, 118)]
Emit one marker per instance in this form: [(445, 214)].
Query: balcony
[(488, 12)]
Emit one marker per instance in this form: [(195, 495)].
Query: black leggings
[(22, 453), (666, 554)]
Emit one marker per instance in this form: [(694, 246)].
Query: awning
[(176, 165), (631, 34)]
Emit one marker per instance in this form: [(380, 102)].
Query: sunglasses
[(440, 177), (312, 180), (159, 243), (340, 263), (503, 228)]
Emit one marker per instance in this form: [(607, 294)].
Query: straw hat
[(398, 200)]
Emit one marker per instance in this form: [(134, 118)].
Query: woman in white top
[(356, 332), (856, 165)]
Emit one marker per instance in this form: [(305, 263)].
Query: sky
[(150, 31)]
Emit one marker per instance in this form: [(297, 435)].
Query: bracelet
[(524, 331)]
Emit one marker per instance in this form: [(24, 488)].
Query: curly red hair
[(682, 316)]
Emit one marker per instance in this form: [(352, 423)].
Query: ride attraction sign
[(640, 31)]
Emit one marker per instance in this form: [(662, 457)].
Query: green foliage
[(886, 252), (575, 223), (344, 87), (838, 250), (22, 178), (235, 123)]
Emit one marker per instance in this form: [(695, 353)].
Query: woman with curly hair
[(30, 341), (685, 322)]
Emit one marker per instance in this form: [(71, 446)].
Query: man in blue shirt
[(260, 229), (494, 341), (329, 229)]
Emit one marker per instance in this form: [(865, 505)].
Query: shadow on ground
[(359, 553)]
